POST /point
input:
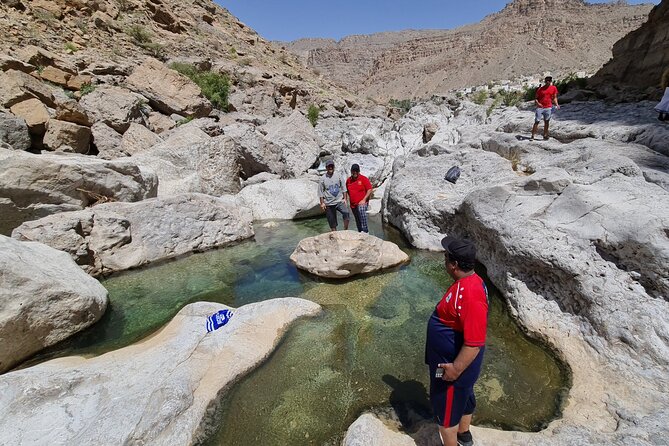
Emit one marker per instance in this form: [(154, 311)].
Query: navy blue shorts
[(331, 213), (450, 403)]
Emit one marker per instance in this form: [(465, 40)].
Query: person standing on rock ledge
[(456, 334), (545, 99), (359, 190), (333, 195)]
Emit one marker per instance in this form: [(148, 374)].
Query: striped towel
[(217, 320)]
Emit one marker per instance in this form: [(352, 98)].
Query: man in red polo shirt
[(359, 190), (545, 99), (456, 335)]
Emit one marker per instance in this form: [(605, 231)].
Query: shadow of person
[(409, 400)]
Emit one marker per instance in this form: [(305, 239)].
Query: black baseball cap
[(462, 250), (355, 168), (329, 163)]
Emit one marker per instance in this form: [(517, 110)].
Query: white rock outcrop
[(342, 254), (281, 199), (34, 186), (117, 236), (44, 298), (189, 160), (159, 391)]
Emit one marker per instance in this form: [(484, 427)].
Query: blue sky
[(292, 19)]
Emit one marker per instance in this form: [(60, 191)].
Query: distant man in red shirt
[(359, 190), (456, 335), (545, 99)]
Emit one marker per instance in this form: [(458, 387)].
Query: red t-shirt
[(545, 95), (357, 189), (464, 308)]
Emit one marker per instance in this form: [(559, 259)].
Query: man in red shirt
[(359, 190), (456, 335), (545, 99)]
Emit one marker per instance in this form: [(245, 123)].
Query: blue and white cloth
[(217, 320)]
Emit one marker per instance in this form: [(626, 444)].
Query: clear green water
[(365, 351)]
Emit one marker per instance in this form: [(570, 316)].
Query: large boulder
[(34, 186), (257, 154), (189, 160), (159, 391), (295, 139), (342, 254), (137, 139), (18, 86), (66, 136), (281, 199), (34, 113), (418, 198), (114, 106), (167, 90), (44, 298), (117, 236), (107, 141), (14, 131)]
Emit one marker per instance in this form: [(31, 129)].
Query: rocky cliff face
[(526, 37), (641, 57), (110, 37)]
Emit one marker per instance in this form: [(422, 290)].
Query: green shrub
[(139, 34), (511, 98), (480, 97), (214, 86), (312, 114), (86, 89), (530, 93), (494, 105), (570, 82), (70, 47), (403, 104), (155, 49)]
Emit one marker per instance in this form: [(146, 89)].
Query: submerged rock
[(342, 254), (44, 298), (117, 236), (159, 391)]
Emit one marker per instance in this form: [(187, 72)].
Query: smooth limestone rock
[(281, 199), (117, 236), (44, 298), (342, 254), (159, 391), (296, 141), (34, 186), (189, 160), (368, 430), (576, 238)]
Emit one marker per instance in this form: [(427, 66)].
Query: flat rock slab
[(281, 199), (338, 255), (117, 236), (158, 391), (44, 298)]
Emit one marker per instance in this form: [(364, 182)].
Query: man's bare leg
[(333, 229), (534, 129), (346, 224), (545, 129), (465, 421), (449, 435)]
